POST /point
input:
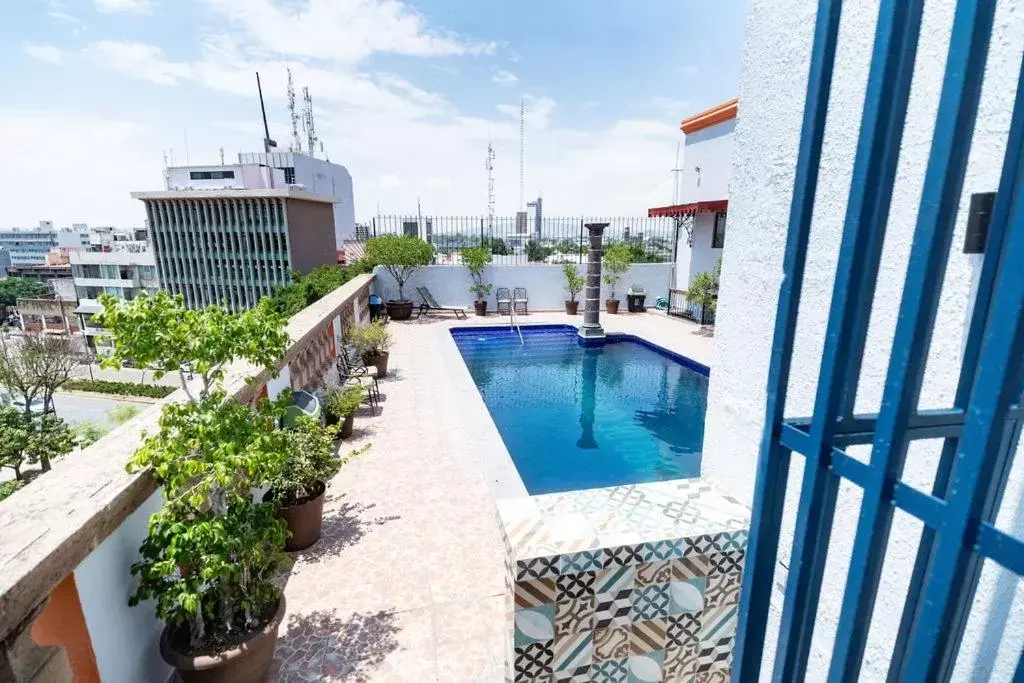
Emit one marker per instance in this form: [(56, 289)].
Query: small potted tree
[(372, 343), (401, 256), (617, 259), (340, 406), (476, 259), (574, 283), (212, 552), (298, 487), (703, 290)]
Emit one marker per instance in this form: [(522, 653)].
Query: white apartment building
[(127, 269), (702, 195), (276, 170), (29, 246)]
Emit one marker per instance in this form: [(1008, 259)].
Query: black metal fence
[(523, 239), (680, 305)]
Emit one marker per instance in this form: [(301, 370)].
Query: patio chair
[(430, 304), (504, 298), (352, 370), (521, 299)]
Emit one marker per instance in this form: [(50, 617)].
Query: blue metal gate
[(980, 430)]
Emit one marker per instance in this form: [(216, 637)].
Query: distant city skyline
[(406, 95)]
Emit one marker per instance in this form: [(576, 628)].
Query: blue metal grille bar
[(933, 236), (874, 172), (773, 465)]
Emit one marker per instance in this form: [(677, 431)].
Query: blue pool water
[(574, 417)]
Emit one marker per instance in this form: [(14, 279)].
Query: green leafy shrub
[(102, 386), (573, 280), (400, 255), (340, 401), (121, 414), (476, 260), (617, 259), (310, 288), (309, 462), (87, 432), (370, 340), (10, 486)]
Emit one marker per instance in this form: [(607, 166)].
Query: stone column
[(591, 328)]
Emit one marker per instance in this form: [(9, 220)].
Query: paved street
[(76, 409)]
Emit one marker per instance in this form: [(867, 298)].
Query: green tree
[(87, 433), (122, 413), (14, 288), (400, 255), (476, 259), (497, 246), (703, 289), (49, 439), (617, 259), (573, 280), (535, 251), (13, 440), (51, 359)]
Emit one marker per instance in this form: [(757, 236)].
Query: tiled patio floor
[(407, 583)]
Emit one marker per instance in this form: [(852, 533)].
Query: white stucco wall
[(772, 90), (125, 639), (710, 150), (545, 284)]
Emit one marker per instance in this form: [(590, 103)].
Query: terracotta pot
[(571, 307), (346, 426), (380, 361), (249, 661), (481, 307), (611, 305), (304, 520), (399, 310)]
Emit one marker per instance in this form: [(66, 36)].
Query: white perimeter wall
[(545, 284), (125, 639), (772, 90), (700, 257)]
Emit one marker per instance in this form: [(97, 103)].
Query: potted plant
[(401, 256), (298, 487), (340, 406), (703, 290), (574, 283), (212, 552), (372, 343), (476, 259), (617, 259)]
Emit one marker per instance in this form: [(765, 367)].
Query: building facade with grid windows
[(233, 247)]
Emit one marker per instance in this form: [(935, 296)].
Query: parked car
[(18, 402)]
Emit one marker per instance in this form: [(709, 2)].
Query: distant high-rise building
[(30, 246), (362, 232), (233, 246)]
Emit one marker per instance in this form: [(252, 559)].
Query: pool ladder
[(512, 321)]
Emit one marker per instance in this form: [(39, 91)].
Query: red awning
[(715, 206)]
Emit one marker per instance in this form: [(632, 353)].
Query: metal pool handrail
[(513, 324)]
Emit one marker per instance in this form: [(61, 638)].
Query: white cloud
[(537, 110), (503, 77), (140, 60), (51, 54), (62, 16), (347, 31), (123, 6)]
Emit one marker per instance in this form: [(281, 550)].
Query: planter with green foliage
[(298, 487), (401, 256), (617, 259), (476, 260), (103, 386), (212, 552), (703, 290), (372, 343), (340, 404), (574, 284)]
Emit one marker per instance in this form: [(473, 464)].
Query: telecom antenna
[(522, 150), (296, 145), (267, 141), (490, 189), (676, 170), (307, 122)]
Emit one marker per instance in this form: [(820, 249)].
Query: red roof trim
[(714, 206)]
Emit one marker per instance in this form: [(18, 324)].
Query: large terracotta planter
[(480, 307), (571, 307), (304, 520), (399, 310), (611, 306), (346, 426), (381, 363), (244, 663)]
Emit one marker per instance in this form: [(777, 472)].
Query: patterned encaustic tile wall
[(650, 610)]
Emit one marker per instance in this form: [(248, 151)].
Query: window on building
[(110, 272), (289, 174), (718, 236), (211, 175)]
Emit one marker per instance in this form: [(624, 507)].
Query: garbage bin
[(303, 404), (635, 297)]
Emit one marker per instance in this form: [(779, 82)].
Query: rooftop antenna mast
[(522, 149), (307, 122), (676, 170), (296, 145), (490, 189), (267, 142)]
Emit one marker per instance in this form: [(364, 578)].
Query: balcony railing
[(681, 306)]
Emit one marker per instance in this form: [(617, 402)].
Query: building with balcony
[(234, 246), (29, 246)]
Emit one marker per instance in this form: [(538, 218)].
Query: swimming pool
[(575, 417)]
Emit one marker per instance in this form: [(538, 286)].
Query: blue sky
[(407, 96)]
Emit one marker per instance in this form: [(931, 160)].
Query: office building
[(5, 261), (233, 246), (29, 246)]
